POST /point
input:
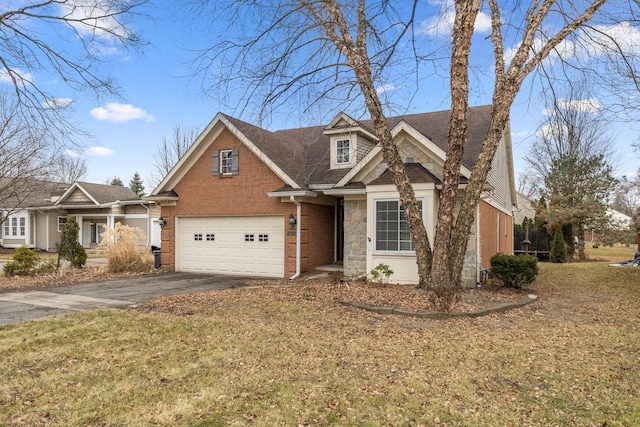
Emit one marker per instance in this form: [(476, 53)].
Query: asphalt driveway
[(26, 305)]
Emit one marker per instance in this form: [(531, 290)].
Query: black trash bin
[(156, 258)]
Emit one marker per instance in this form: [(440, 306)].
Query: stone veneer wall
[(469, 278), (355, 237)]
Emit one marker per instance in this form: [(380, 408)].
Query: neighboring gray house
[(36, 220)]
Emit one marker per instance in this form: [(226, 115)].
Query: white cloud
[(71, 153), (442, 25), (590, 106), (599, 43), (120, 113), (91, 18), (58, 102), (99, 151), (385, 88), (520, 134), (5, 76)]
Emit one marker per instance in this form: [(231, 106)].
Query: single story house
[(36, 219), (244, 200)]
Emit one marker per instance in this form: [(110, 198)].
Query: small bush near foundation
[(26, 262), (514, 271), (380, 274), (121, 246)]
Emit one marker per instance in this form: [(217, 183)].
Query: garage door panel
[(232, 245)]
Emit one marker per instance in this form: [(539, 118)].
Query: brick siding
[(202, 194), (496, 233)]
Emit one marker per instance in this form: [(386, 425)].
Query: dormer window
[(343, 153)]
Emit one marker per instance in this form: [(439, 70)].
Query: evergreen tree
[(116, 181), (70, 248), (558, 249), (136, 185)]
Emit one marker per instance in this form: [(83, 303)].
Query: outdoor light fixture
[(162, 222), (292, 220)]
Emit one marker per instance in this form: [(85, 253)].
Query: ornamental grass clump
[(123, 248), (514, 271)]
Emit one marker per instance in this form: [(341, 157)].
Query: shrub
[(381, 273), (24, 263), (121, 245), (70, 248), (558, 249), (514, 271)]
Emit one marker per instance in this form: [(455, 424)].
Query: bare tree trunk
[(357, 56), (443, 283)]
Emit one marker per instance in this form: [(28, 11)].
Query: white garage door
[(248, 246)]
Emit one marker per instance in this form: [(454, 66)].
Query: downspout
[(298, 228), (478, 247)]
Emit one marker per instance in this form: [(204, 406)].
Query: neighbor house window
[(62, 220), (392, 229), (225, 162), (6, 227), (23, 226), (343, 151), (14, 226)]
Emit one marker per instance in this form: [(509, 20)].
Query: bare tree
[(65, 39), (351, 49), (69, 169), (25, 161), (170, 151)]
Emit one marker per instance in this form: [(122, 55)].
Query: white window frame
[(342, 151), (399, 250), (61, 224), (23, 226), (226, 162), (14, 226)]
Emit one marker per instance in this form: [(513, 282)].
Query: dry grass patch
[(292, 356)]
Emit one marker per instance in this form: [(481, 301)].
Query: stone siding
[(355, 237)]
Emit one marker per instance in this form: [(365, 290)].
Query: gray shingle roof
[(104, 193), (28, 193), (303, 154)]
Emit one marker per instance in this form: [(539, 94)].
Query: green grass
[(291, 356)]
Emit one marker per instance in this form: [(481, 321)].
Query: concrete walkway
[(26, 305)]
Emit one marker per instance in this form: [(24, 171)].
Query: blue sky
[(159, 94)]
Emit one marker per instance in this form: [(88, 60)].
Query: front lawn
[(293, 356)]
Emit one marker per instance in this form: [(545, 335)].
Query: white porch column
[(79, 220)]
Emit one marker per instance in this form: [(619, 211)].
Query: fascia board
[(210, 133), (258, 153), (359, 166), (183, 165), (295, 193), (506, 135), (70, 190), (341, 191)]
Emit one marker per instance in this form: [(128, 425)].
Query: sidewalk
[(121, 293)]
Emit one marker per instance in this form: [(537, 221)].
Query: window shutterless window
[(14, 226), (62, 220), (23, 226), (343, 154), (392, 229)]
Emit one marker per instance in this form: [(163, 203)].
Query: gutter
[(298, 230)]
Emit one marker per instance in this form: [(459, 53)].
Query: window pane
[(392, 229)]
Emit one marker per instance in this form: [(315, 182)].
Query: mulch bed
[(327, 289)]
